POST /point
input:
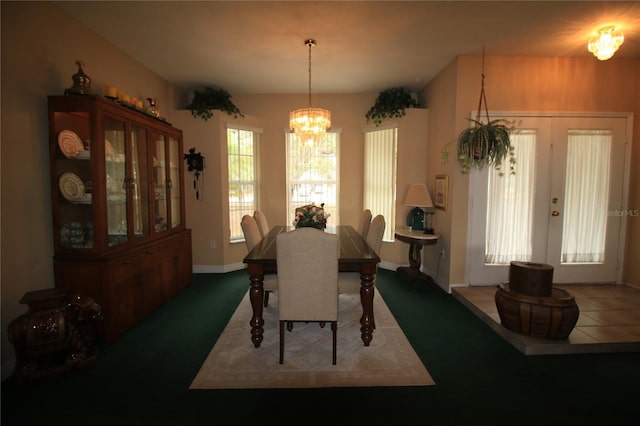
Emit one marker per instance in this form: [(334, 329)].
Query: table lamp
[(418, 197)]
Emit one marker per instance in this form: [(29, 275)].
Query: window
[(380, 152), (312, 175), (586, 196), (510, 206), (243, 185)]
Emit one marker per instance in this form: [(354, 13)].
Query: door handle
[(555, 213)]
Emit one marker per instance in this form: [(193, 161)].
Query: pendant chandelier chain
[(310, 43)]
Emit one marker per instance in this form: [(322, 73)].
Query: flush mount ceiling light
[(310, 124), (605, 44)]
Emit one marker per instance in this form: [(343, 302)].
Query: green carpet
[(480, 379)]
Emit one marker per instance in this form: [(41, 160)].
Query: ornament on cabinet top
[(81, 82)]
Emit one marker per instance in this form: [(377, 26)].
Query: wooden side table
[(416, 239)]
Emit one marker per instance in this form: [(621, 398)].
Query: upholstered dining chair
[(349, 282), (252, 237), (261, 220), (364, 223), (307, 260)]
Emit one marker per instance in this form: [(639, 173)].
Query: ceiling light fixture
[(310, 124), (605, 44)]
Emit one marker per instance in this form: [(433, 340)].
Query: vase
[(56, 336), (311, 225)]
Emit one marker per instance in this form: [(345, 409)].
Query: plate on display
[(84, 155), (108, 148), (71, 187), (69, 143)]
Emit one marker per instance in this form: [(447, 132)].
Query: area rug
[(234, 363)]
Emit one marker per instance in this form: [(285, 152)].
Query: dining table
[(355, 255)]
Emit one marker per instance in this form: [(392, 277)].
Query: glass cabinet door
[(139, 182), (174, 181), (116, 181), (159, 183), (71, 170)]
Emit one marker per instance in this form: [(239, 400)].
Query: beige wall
[(530, 84), (270, 113)]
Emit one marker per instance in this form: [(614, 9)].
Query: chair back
[(376, 231), (251, 231), (307, 260), (364, 223), (261, 220)]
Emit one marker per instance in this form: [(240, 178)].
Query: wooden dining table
[(355, 255)]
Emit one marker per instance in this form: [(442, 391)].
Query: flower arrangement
[(311, 216)]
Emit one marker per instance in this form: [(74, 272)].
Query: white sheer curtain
[(586, 196), (380, 160), (510, 202)]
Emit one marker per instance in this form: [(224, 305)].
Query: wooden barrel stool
[(533, 279), (547, 317)]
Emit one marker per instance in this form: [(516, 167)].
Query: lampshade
[(418, 196), (605, 44), (310, 124)]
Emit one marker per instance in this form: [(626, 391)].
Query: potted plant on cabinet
[(209, 99), (391, 103)]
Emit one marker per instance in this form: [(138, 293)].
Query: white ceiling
[(362, 46)]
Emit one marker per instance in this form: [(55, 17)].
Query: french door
[(563, 207)]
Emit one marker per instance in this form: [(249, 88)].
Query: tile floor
[(609, 319)]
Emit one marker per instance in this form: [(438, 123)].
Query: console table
[(415, 239)]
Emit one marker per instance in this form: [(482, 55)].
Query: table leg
[(256, 295), (415, 260), (367, 292)]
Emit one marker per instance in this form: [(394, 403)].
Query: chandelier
[(310, 124), (605, 44)]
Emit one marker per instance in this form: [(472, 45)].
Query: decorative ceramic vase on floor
[(58, 334)]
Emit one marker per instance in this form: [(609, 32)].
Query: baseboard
[(217, 269)]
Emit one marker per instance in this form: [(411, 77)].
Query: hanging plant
[(486, 145), (209, 99), (391, 103)]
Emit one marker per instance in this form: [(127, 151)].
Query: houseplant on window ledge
[(391, 103), (486, 144), (209, 99)]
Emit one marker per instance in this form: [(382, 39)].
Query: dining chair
[(263, 224), (364, 223), (349, 282), (252, 237), (307, 261)]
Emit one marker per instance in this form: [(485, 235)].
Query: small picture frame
[(442, 192)]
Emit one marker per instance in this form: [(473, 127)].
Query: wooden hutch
[(118, 207)]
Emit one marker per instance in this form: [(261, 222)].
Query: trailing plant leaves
[(485, 145), (390, 103), (209, 99)]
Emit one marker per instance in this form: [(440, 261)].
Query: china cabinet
[(118, 207)]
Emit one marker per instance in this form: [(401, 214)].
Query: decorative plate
[(70, 143), (108, 148), (71, 187)]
